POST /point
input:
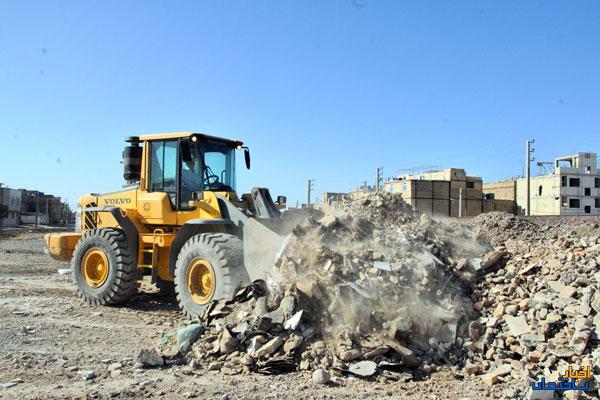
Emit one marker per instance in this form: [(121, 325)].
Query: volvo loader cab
[(178, 220)]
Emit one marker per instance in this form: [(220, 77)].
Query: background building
[(10, 207), (571, 188), (449, 192), (21, 206)]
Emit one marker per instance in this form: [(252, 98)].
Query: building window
[(564, 202), (540, 190), (587, 209), (563, 180), (587, 191), (470, 185), (597, 182), (588, 169), (597, 202), (573, 182), (574, 203)]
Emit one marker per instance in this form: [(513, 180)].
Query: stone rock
[(292, 343), (260, 307), (511, 309), (491, 378), (214, 366), (563, 290), (517, 325), (492, 258), (114, 366), (320, 377), (531, 339), (149, 359), (350, 355), (363, 368), (540, 394), (268, 348), (400, 326), (329, 221), (87, 375), (227, 343)]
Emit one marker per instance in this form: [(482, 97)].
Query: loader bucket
[(262, 248)]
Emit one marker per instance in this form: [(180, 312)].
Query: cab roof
[(176, 135)]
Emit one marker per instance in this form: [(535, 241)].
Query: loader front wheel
[(102, 269), (209, 266)]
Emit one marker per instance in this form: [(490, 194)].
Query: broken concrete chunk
[(260, 307), (269, 347), (328, 221), (363, 368), (255, 343), (491, 378), (292, 343), (517, 325), (87, 375), (532, 339), (492, 259), (227, 343), (149, 359), (309, 288), (562, 289), (349, 355), (292, 323), (400, 326), (382, 265)]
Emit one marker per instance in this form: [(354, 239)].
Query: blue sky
[(327, 90)]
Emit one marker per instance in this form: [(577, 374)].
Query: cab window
[(163, 168)]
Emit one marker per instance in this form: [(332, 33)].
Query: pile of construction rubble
[(380, 290), (540, 312), (377, 290)]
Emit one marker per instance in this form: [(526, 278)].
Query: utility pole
[(460, 202), (379, 178), (528, 159), (310, 187), (37, 207)]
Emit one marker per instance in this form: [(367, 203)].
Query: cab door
[(158, 204)]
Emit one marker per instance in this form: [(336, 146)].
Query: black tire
[(121, 282), (225, 253)]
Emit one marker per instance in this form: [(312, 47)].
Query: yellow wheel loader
[(178, 220)]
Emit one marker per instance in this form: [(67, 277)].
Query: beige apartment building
[(449, 192), (571, 188)]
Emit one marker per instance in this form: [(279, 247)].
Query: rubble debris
[(491, 378), (149, 359), (528, 307), (363, 368), (320, 376), (517, 325), (87, 375)]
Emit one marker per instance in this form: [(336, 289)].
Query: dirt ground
[(50, 341)]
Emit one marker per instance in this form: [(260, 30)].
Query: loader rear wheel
[(209, 266), (102, 269)]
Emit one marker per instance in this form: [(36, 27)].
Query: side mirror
[(247, 157), (281, 200)]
